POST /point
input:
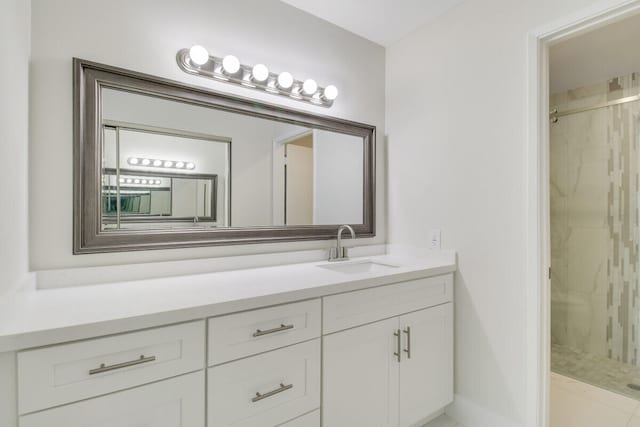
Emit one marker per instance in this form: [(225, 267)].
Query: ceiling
[(596, 56), (381, 21)]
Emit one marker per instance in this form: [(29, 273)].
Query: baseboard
[(470, 414)]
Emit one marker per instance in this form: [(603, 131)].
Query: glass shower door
[(595, 162)]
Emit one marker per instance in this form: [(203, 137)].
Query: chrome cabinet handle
[(397, 353), (282, 327), (408, 349), (107, 368), (280, 389)]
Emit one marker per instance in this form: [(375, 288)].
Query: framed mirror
[(160, 164)]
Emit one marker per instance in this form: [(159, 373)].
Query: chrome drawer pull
[(398, 352), (282, 327), (105, 368), (272, 392), (408, 349)]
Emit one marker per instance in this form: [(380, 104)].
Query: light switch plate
[(434, 239)]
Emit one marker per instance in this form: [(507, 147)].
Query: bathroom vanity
[(365, 342)]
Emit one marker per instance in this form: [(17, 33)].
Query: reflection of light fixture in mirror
[(140, 181), (258, 77), (170, 164), (198, 55)]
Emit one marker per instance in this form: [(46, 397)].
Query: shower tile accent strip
[(595, 162)]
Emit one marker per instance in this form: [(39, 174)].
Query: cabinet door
[(360, 376), (177, 402), (426, 371)]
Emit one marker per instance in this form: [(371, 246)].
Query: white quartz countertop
[(32, 318)]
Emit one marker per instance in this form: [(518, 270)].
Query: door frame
[(537, 174), (277, 143)]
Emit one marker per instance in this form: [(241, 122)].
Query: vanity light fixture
[(310, 87), (198, 55), (198, 61), (230, 64), (169, 164), (259, 73)]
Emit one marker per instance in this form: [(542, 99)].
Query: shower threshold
[(618, 377)]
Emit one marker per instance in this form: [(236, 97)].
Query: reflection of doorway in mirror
[(298, 181)]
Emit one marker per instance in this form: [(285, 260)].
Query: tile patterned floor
[(596, 370), (577, 404)]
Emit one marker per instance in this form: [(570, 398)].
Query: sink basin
[(359, 267)]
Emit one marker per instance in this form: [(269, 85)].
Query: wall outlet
[(434, 239)]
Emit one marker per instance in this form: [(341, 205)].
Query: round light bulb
[(146, 162), (122, 180), (198, 55), (136, 181), (180, 165), (168, 164), (231, 64), (129, 180), (260, 72), (158, 182), (310, 86), (133, 160), (144, 181), (330, 93), (285, 80), (191, 165), (157, 163)]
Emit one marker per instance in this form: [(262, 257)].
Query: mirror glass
[(169, 164)]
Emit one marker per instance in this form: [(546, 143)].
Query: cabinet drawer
[(312, 419), (265, 390), (178, 402), (239, 335), (70, 372), (355, 308)]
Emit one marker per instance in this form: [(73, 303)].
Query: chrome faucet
[(340, 253)]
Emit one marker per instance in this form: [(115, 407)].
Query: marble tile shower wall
[(594, 164)]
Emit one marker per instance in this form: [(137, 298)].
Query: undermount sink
[(359, 267)]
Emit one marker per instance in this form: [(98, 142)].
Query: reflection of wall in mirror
[(251, 147), (256, 191), (338, 178), (336, 174)]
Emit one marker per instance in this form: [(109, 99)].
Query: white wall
[(144, 36), (456, 122), (597, 56), (14, 134)]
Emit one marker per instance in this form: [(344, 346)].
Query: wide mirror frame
[(90, 78)]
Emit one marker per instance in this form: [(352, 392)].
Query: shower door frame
[(538, 203)]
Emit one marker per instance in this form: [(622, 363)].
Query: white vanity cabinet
[(379, 356), (395, 372), (176, 402)]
